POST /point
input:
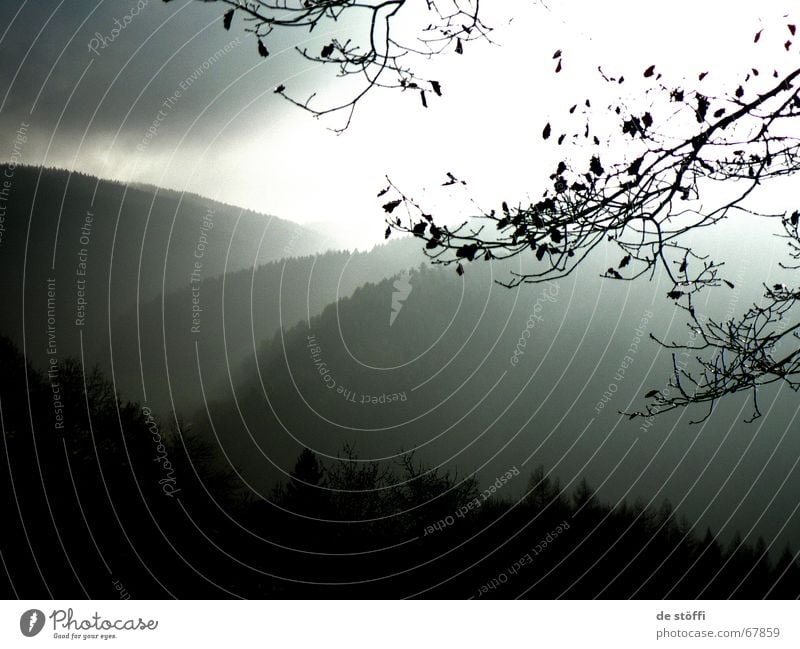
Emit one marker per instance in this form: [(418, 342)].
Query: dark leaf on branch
[(651, 394), (424, 100), (675, 295), (677, 95), (795, 218), (327, 51), (728, 284), (631, 126), (647, 120), (562, 167), (792, 29), (705, 165), (649, 71), (625, 261), (262, 49), (558, 66), (387, 233), (758, 36), (595, 167), (634, 167), (556, 236), (739, 92), (279, 89), (702, 76), (719, 112), (419, 228), (702, 107), (459, 49), (505, 207), (432, 243), (561, 138), (437, 88), (391, 205), (540, 252), (452, 180), (572, 110), (546, 131), (611, 272), (459, 269), (787, 45), (383, 191), (557, 54), (227, 18), (468, 251)]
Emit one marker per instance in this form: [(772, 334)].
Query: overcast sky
[(231, 138)]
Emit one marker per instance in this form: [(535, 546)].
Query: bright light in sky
[(233, 140), (487, 126)]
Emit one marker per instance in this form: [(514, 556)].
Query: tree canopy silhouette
[(679, 161)]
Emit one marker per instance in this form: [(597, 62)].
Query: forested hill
[(128, 243)]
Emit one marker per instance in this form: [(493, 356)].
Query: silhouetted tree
[(83, 508), (689, 159)]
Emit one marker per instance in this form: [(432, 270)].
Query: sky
[(229, 137)]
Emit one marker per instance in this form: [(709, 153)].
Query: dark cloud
[(82, 74)]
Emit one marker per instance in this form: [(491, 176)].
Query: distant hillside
[(223, 320), (120, 245), (473, 375)]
